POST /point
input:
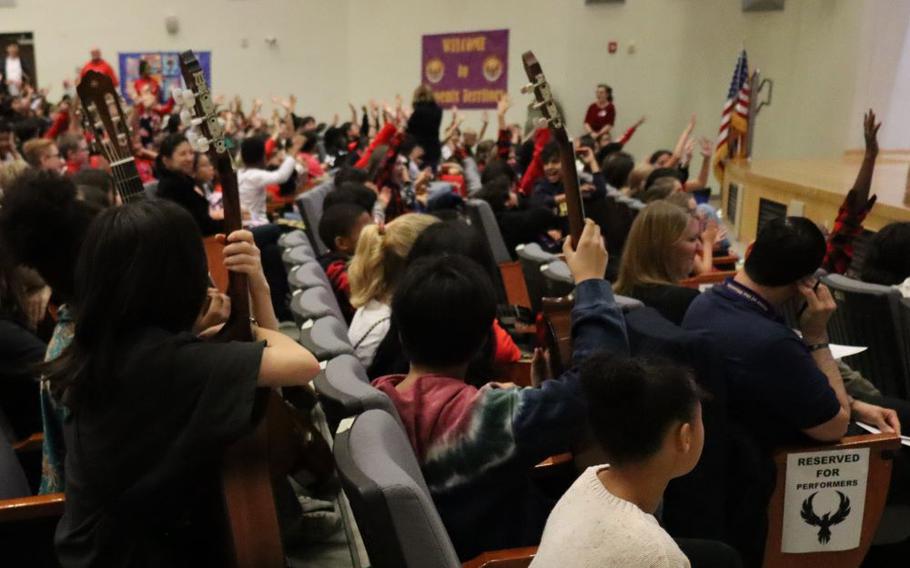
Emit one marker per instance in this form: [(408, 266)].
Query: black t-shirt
[(180, 188), (142, 463), (20, 351), (670, 300)]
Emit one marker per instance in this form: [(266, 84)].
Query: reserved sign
[(825, 497)]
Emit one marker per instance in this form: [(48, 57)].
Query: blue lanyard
[(748, 294)]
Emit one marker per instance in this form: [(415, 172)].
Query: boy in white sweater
[(647, 419)]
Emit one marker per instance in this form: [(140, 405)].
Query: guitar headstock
[(103, 116), (206, 128), (542, 93)]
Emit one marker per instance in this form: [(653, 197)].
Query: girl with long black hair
[(151, 405)]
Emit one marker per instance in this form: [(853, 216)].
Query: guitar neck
[(127, 180), (575, 207), (238, 284)]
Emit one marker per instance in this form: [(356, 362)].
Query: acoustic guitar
[(555, 326), (103, 118), (285, 440), (547, 106)]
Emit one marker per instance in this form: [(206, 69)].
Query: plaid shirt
[(847, 227)]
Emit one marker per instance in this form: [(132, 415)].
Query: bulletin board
[(164, 67)]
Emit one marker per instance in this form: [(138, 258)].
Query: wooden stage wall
[(757, 191)]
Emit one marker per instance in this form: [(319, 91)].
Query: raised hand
[(706, 147), (485, 117), (503, 104), (589, 259), (870, 131)]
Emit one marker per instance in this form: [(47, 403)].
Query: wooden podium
[(759, 190)]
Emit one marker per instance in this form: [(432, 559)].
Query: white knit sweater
[(590, 527)]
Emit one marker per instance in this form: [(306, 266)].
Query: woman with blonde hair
[(379, 261), (661, 251)]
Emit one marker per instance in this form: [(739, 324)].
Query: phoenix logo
[(828, 520)]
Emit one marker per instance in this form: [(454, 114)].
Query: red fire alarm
[(612, 46)]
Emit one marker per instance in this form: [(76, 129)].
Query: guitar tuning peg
[(527, 88), (538, 105), (189, 98), (196, 122), (203, 145), (176, 94), (186, 117)]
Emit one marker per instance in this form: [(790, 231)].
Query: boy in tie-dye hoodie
[(477, 447)]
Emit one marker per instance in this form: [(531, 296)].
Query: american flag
[(735, 117)]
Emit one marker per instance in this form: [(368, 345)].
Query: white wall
[(819, 52), (310, 58)]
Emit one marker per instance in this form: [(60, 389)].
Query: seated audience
[(339, 229), (646, 417), (856, 205), (477, 447), (549, 192), (253, 178), (661, 250), (379, 260), (783, 388), (453, 237), (43, 154), (174, 168), (147, 496), (888, 258)]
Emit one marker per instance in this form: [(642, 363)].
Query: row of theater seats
[(378, 469), (390, 500)]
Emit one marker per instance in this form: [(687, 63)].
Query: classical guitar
[(108, 127), (285, 440), (555, 327), (547, 106)]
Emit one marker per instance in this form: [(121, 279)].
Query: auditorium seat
[(292, 238), (344, 390), (481, 215), (400, 525), (872, 316), (310, 205), (325, 338), (557, 279), (300, 254), (313, 304), (532, 257), (307, 275)]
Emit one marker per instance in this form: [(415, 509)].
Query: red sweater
[(100, 66), (598, 117), (535, 168)]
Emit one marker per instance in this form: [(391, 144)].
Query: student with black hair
[(646, 418), (477, 447), (453, 237), (339, 230), (549, 192), (519, 226), (253, 178), (149, 496), (888, 258), (174, 168), (616, 168), (361, 194), (8, 152), (781, 387)]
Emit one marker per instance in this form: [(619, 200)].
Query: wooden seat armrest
[(878, 442), (27, 508), (517, 372), (707, 278), (508, 558), (513, 279), (558, 459), (725, 260), (30, 444)]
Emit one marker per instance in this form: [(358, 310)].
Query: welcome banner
[(467, 70)]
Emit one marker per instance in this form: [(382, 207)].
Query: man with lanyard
[(781, 388)]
